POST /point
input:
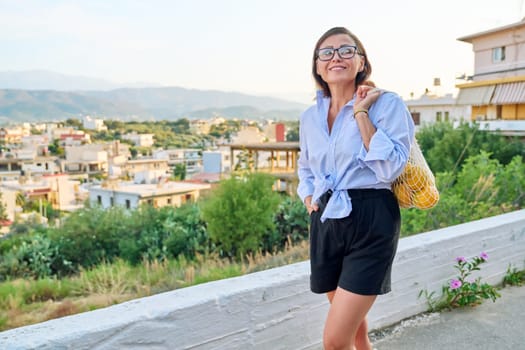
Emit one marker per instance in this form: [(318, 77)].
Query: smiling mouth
[(337, 68)]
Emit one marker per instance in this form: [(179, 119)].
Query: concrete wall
[(274, 309)]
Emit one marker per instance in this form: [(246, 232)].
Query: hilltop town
[(60, 166)]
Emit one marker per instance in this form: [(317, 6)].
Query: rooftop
[(148, 190)]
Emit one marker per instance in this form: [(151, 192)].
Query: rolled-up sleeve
[(390, 145)]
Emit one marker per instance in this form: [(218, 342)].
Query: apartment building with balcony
[(19, 162), (86, 159), (144, 170), (496, 90), (96, 158), (131, 195), (59, 190), (191, 158)]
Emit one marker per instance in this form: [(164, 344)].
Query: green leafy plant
[(463, 290), (291, 221), (513, 277), (240, 213)]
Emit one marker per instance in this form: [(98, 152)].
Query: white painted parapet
[(274, 309)]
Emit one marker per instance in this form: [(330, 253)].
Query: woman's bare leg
[(362, 342), (346, 320)]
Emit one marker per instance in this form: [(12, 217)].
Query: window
[(169, 201), (111, 201), (99, 199), (498, 54), (439, 116), (416, 116), (128, 204), (447, 116)]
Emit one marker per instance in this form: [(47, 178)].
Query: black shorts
[(355, 252)]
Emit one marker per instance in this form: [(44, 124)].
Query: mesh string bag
[(416, 186)]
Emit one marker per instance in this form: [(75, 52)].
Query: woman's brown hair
[(361, 76)]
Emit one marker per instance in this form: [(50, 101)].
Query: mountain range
[(48, 96)]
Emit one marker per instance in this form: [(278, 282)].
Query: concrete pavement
[(496, 325)]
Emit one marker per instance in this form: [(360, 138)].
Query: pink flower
[(484, 256), (455, 284), (461, 259)]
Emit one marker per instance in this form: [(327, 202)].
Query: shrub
[(34, 258), (240, 212), (291, 222), (89, 236)]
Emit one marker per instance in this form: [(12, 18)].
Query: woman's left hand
[(365, 96)]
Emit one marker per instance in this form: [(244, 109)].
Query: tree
[(240, 212), (56, 149), (446, 148), (75, 123), (179, 171)]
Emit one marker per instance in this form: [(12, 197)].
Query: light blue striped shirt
[(339, 161)]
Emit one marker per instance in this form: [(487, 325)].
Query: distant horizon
[(37, 100), (113, 85), (297, 97)]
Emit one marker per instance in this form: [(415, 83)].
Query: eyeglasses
[(345, 51)]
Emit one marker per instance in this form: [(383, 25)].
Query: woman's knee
[(361, 338), (331, 342)]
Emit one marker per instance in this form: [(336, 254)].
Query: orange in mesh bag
[(416, 186)]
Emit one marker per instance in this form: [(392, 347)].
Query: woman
[(354, 142)]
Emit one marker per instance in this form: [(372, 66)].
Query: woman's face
[(339, 70)]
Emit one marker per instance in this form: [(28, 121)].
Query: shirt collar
[(323, 100)]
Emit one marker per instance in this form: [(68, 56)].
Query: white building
[(139, 140), (42, 165), (190, 157), (145, 170), (131, 195), (59, 190), (93, 124), (87, 159), (37, 142), (26, 161), (429, 109)]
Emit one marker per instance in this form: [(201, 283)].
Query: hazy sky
[(261, 47)]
